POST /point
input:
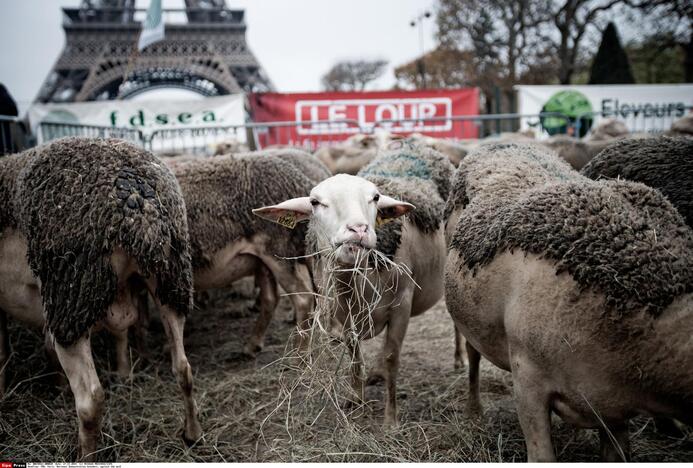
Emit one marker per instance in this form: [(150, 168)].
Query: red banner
[(315, 119)]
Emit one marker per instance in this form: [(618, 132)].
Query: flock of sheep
[(578, 283)]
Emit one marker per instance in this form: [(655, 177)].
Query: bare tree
[(573, 19), (672, 21), (512, 37), (445, 67), (501, 33), (500, 39), (353, 75)]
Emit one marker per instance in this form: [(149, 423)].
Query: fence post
[(146, 140), (497, 98)]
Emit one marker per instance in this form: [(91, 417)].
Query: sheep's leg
[(532, 402), (474, 408), (268, 299), (122, 355), (396, 331), (174, 325), (356, 367), (618, 448), (297, 283), (302, 299), (78, 364), (60, 379), (377, 373), (141, 327), (4, 350), (459, 349)]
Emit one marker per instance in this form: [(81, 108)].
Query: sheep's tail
[(81, 199), (155, 233)]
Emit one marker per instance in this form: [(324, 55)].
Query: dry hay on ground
[(241, 417)]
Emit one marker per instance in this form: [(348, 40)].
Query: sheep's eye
[(376, 197), (314, 202)]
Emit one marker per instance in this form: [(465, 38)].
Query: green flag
[(153, 26)]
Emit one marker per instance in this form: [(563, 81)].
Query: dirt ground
[(246, 416)]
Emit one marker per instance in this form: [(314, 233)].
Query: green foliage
[(657, 60), (611, 65)]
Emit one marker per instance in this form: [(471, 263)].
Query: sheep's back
[(305, 162), (620, 238), (502, 171), (78, 200), (663, 163), (220, 194)]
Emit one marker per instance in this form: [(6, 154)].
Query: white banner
[(643, 108), (147, 116)]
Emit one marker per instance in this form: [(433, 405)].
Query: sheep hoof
[(191, 439), (390, 424), (252, 349), (375, 378), (474, 410), (669, 428), (459, 364)]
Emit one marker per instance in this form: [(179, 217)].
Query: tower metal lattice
[(204, 50)]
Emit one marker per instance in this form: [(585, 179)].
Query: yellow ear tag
[(381, 221), (288, 220)]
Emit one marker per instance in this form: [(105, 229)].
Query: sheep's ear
[(389, 209), (288, 212)]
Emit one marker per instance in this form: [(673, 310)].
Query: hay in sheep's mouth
[(355, 284), (356, 288), (316, 384)]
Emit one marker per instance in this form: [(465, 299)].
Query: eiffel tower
[(204, 51)]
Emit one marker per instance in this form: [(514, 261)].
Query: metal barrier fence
[(312, 134), (201, 140), (483, 125), (636, 121), (13, 137), (194, 140)]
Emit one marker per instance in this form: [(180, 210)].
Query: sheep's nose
[(360, 229)]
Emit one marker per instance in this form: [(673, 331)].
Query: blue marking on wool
[(412, 167)]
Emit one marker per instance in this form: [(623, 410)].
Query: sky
[(296, 41)]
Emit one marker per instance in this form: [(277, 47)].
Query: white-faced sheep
[(345, 216), (81, 222), (582, 289), (349, 156), (454, 150), (229, 243), (230, 146), (664, 163)]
